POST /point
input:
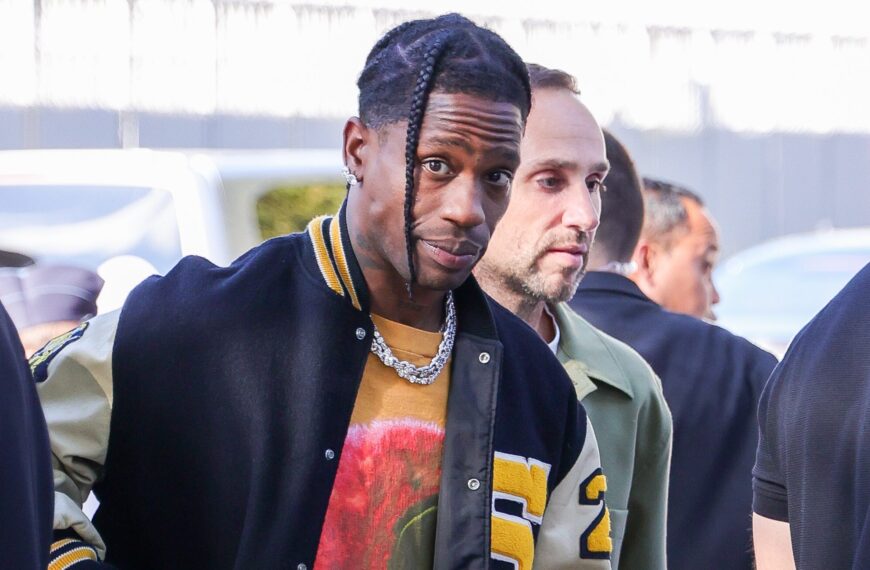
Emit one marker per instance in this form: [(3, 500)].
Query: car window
[(288, 209), (88, 225), (796, 286)]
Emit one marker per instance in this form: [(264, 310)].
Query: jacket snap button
[(473, 484), (329, 454), (302, 567), (483, 358), (360, 333)]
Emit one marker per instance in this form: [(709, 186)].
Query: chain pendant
[(421, 374)]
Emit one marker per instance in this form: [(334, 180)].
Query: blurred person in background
[(335, 397), (45, 301), (677, 250), (712, 380), (535, 260), (812, 474), (26, 498)]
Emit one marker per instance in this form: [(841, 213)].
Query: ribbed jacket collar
[(341, 272)]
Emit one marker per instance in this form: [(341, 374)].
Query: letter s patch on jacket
[(519, 497)]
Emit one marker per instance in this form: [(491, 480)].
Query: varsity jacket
[(209, 414)]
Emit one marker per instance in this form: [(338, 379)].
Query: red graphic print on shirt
[(382, 509)]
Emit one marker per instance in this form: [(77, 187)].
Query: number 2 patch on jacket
[(42, 358)]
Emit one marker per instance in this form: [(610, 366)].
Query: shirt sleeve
[(644, 544), (74, 383), (575, 532), (769, 493)]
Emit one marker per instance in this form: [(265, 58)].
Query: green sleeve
[(644, 541)]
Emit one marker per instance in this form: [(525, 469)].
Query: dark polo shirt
[(712, 380), (26, 495), (813, 466)]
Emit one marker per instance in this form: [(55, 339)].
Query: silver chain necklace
[(421, 374)]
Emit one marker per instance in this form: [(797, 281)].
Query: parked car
[(769, 292), (130, 213)]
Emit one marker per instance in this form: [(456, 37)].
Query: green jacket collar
[(586, 358)]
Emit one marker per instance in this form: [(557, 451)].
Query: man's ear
[(645, 257), (357, 139)]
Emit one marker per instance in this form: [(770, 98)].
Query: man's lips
[(455, 256), (573, 249), (572, 255)]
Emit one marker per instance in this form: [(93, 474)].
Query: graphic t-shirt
[(383, 506)]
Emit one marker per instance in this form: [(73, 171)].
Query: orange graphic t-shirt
[(383, 506)]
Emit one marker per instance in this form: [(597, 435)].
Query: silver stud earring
[(349, 177)]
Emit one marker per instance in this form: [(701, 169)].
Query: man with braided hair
[(346, 397)]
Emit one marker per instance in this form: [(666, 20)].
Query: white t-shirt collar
[(553, 344)]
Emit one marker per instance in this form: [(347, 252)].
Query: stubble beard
[(525, 277)]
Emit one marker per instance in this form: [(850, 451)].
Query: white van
[(129, 213)]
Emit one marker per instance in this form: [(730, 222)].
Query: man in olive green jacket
[(536, 259), (624, 401)]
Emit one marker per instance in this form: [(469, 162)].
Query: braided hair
[(450, 54)]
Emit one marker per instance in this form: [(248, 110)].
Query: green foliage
[(289, 209)]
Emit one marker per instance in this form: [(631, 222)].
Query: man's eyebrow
[(554, 164), (557, 164), (506, 152)]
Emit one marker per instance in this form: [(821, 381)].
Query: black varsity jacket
[(209, 414)]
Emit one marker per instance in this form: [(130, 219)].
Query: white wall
[(674, 69)]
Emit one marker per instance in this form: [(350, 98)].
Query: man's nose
[(580, 211), (714, 296), (463, 204)]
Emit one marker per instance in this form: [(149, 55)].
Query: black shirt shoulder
[(812, 468)]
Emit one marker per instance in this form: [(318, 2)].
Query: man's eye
[(435, 166), (549, 182), (500, 178), (596, 185)]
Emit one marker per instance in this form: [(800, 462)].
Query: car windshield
[(792, 288), (88, 225)]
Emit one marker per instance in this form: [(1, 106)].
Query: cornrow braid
[(384, 42), (425, 80), (480, 63)]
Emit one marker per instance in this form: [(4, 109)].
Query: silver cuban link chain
[(421, 374)]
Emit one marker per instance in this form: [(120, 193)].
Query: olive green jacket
[(624, 401)]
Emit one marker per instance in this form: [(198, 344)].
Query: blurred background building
[(765, 116)]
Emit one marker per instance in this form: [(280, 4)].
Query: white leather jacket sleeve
[(74, 382), (575, 532)]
